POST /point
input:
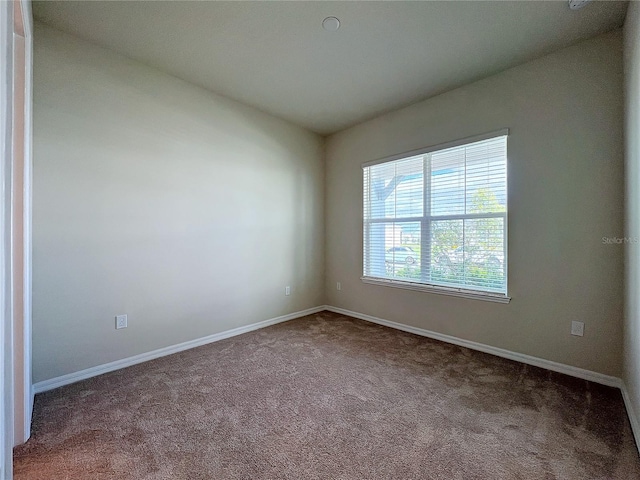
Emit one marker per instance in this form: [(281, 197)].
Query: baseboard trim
[(500, 352), (63, 380), (29, 419), (633, 419), (611, 381)]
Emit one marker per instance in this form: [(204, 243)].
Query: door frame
[(23, 28), (15, 23)]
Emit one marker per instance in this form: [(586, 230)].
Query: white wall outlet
[(121, 321), (287, 290), (577, 328), (338, 286)]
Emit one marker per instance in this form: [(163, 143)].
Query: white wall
[(632, 176), (187, 211), (565, 193)]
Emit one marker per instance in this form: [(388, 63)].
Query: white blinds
[(439, 218)]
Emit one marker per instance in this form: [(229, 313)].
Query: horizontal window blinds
[(439, 218)]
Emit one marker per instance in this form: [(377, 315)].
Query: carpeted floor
[(330, 397)]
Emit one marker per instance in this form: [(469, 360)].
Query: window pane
[(447, 252), (395, 189), (468, 253), (403, 259), (448, 182), (409, 192), (486, 176), (374, 249), (484, 253), (382, 195), (393, 250)]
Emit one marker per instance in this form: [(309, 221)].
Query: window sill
[(452, 291)]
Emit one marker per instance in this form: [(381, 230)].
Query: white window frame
[(425, 220)]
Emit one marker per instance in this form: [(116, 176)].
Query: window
[(436, 219)]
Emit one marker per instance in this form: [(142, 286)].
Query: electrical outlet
[(577, 328), (287, 290), (338, 286), (121, 321)]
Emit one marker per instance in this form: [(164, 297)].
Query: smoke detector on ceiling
[(576, 4), (331, 24)]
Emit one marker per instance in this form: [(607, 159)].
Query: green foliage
[(409, 272), (469, 250), (485, 201), (463, 252), (446, 236)]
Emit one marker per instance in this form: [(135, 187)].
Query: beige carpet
[(330, 397)]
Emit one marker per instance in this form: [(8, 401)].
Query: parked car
[(404, 255)]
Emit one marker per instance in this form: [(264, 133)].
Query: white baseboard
[(161, 352), (500, 352), (633, 419)]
